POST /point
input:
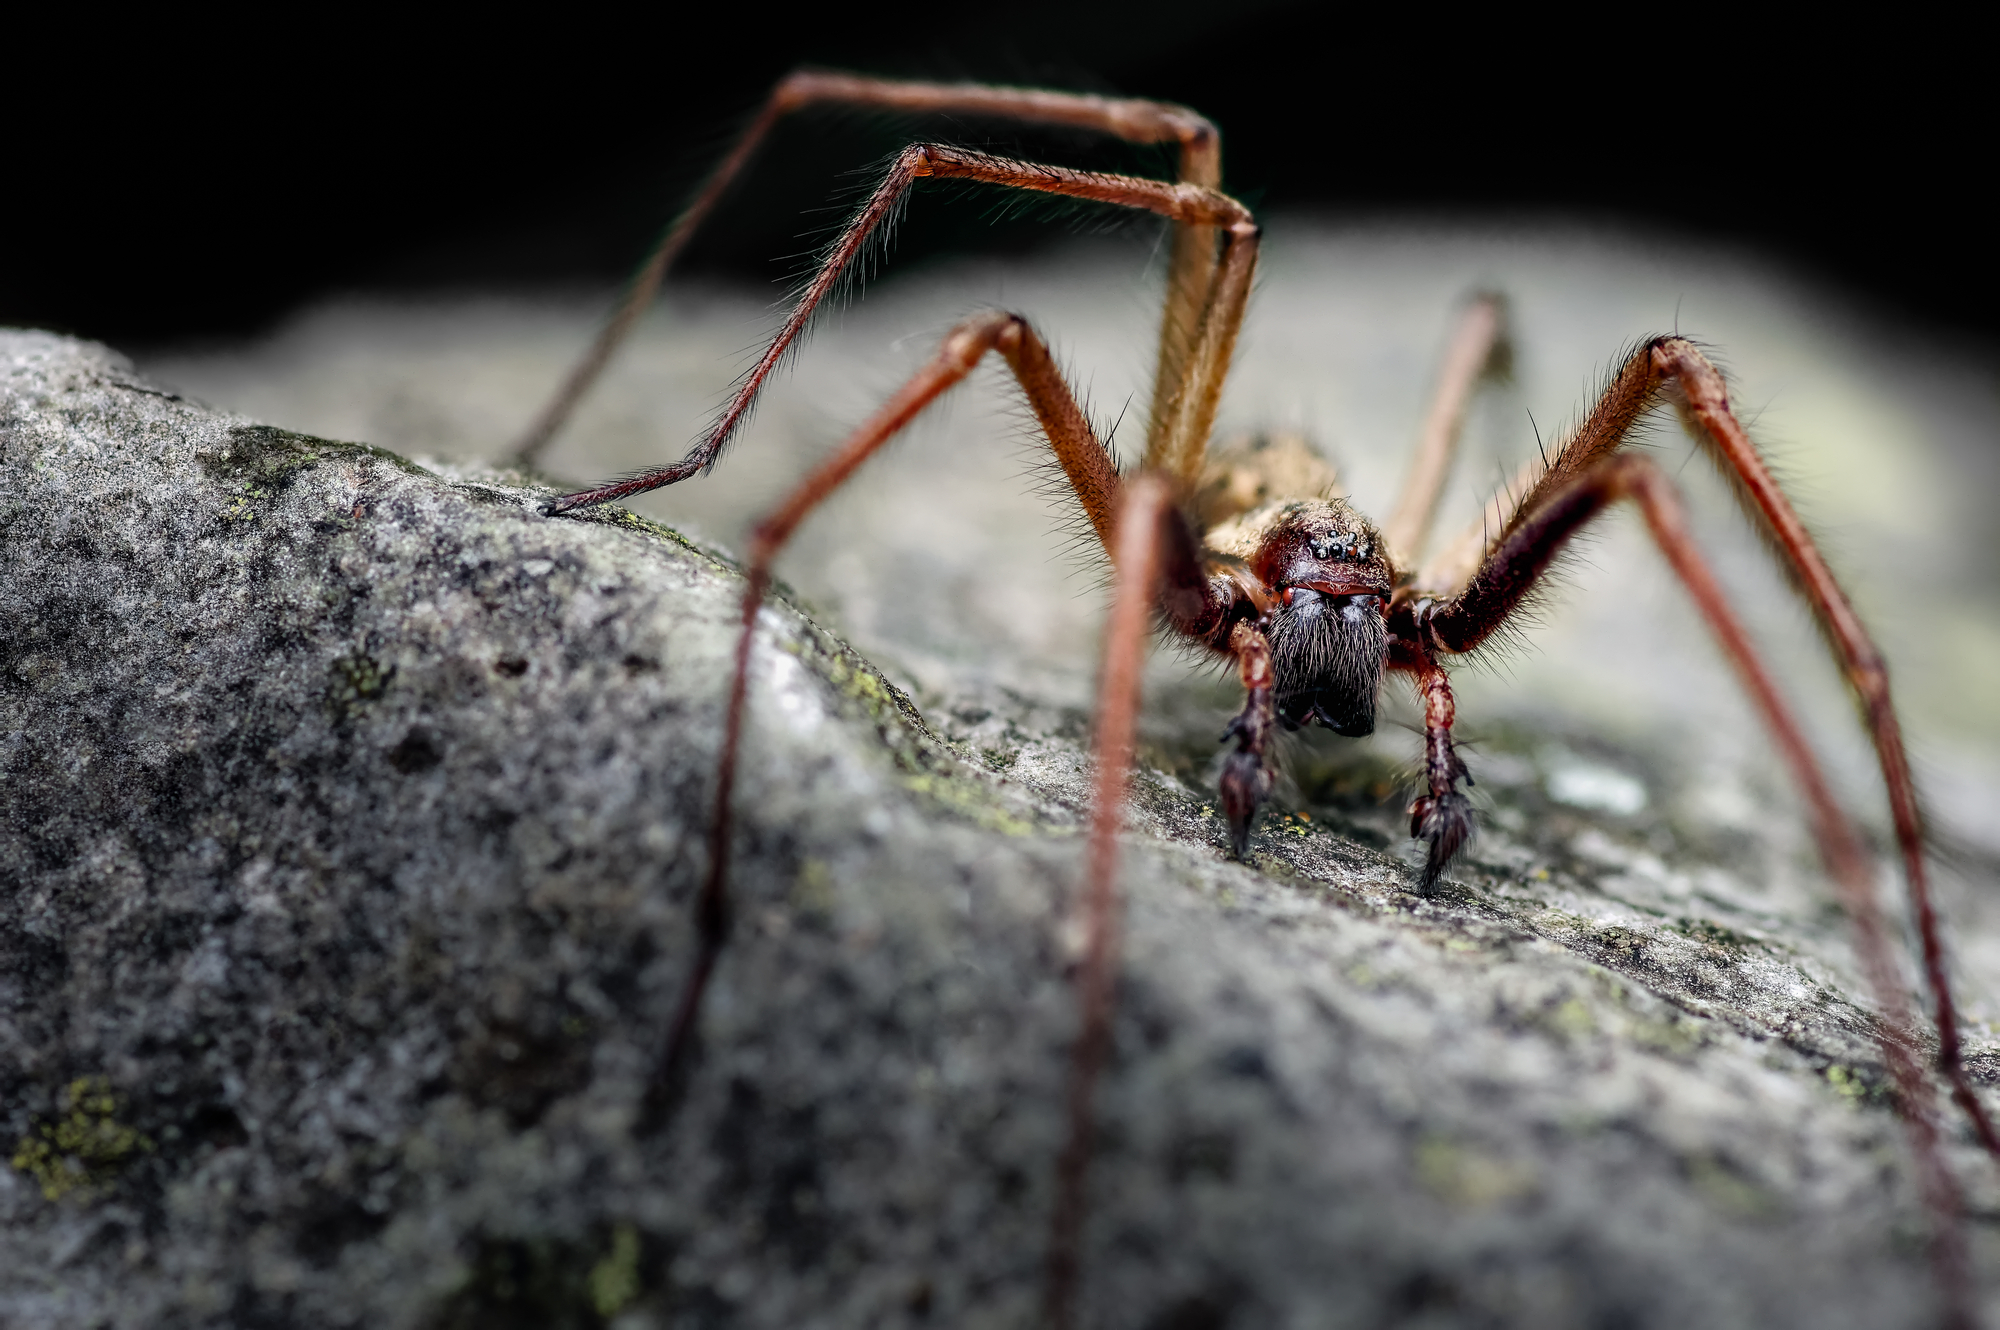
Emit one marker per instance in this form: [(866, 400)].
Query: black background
[(196, 178)]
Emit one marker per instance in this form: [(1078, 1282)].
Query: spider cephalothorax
[(1251, 553), (1323, 566)]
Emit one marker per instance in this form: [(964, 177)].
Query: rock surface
[(351, 814)]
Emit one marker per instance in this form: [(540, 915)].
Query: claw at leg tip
[(1245, 787), (1446, 823)]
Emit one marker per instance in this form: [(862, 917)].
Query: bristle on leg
[(1446, 822)]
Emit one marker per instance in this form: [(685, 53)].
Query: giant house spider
[(1255, 557)]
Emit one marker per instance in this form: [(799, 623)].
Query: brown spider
[(1255, 556)]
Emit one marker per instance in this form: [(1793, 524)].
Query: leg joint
[(996, 330), (1680, 361), (1870, 676)]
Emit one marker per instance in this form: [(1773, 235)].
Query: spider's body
[(1283, 545), (1253, 553), (1323, 591)]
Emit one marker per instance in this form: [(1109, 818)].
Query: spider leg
[(1189, 273), (1478, 349), (1447, 571), (1705, 397), (1199, 385), (1633, 391), (1507, 576), (1083, 460), (1148, 528), (1674, 369), (1158, 566)]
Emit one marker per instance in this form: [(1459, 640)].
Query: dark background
[(197, 178)]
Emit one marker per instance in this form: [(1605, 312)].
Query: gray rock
[(351, 817)]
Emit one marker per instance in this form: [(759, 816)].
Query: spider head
[(1325, 566)]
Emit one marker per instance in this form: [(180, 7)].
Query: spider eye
[(1344, 547)]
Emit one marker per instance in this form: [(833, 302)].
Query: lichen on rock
[(85, 1147)]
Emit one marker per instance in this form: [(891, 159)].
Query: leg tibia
[(1185, 405), (1142, 521)]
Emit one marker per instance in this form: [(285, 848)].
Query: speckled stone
[(350, 818)]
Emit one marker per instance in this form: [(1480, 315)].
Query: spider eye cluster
[(1342, 547)]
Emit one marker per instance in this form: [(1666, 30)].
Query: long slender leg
[(1190, 277), (1137, 558), (644, 284), (1134, 121), (1083, 460), (1191, 204), (1632, 391), (1180, 438), (1674, 368), (1847, 863), (1705, 397), (1478, 346), (1499, 586)]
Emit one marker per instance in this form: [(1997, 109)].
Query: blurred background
[(400, 231), (173, 174)]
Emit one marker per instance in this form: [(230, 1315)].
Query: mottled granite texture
[(350, 817)]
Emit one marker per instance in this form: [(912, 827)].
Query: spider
[(1254, 556)]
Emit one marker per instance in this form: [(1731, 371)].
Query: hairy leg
[(1674, 369), (1446, 572), (1143, 538), (1704, 399), (1189, 204), (1512, 569), (1478, 349), (1083, 460), (1189, 274), (1178, 443)]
